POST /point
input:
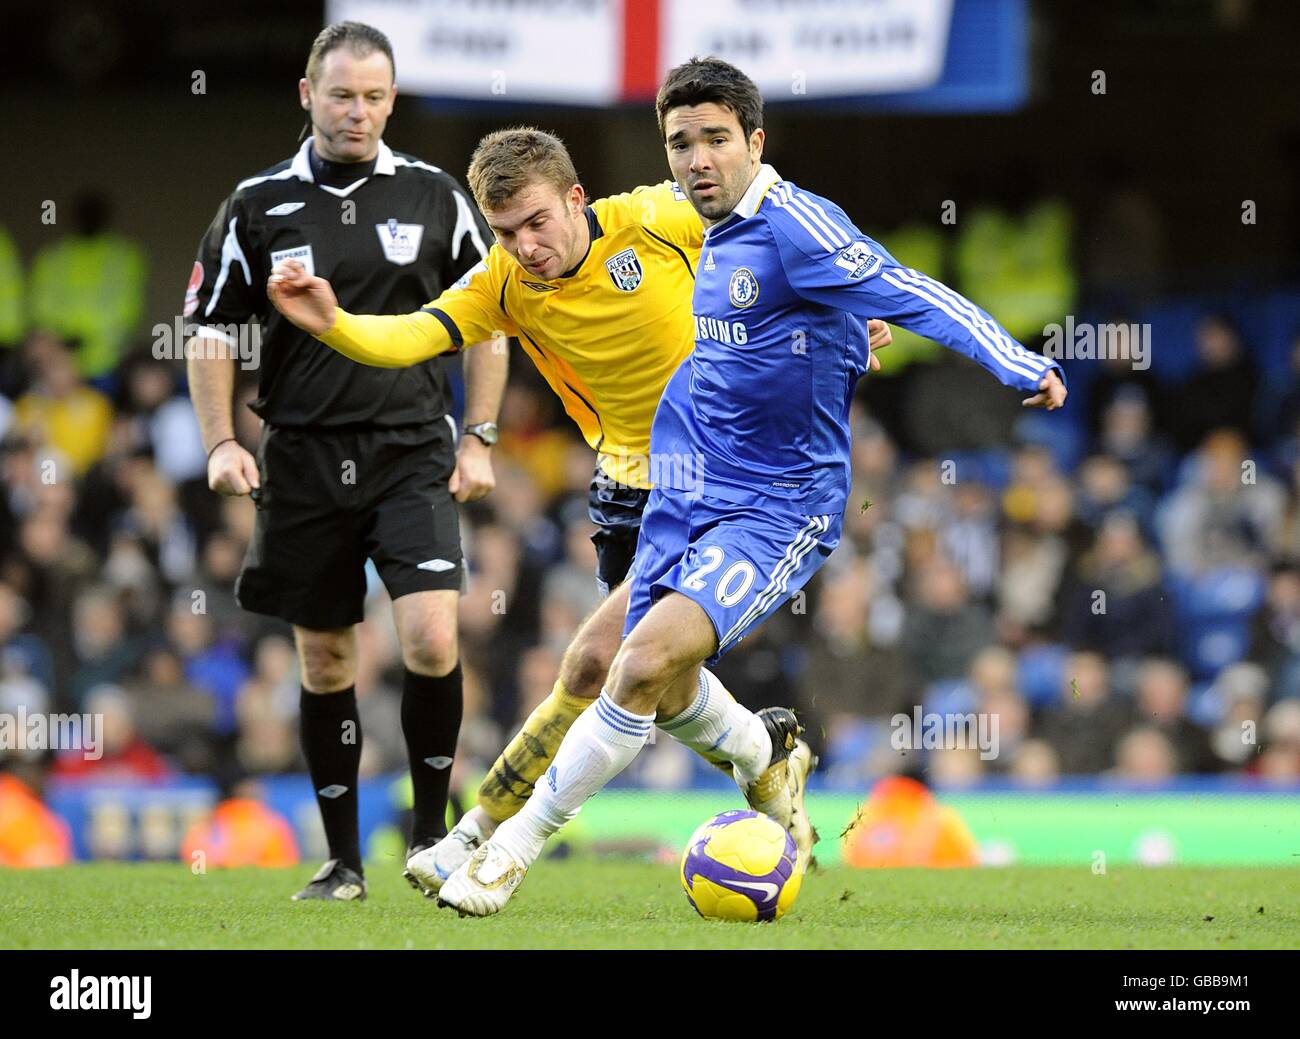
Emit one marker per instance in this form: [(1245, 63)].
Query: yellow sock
[(509, 782)]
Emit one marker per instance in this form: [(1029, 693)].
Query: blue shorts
[(739, 563)]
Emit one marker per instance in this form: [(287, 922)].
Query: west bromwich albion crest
[(401, 242), (743, 288), (625, 270)]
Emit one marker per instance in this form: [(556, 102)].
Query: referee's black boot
[(334, 882)]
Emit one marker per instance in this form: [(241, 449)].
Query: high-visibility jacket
[(11, 291), (1019, 269), (91, 289)]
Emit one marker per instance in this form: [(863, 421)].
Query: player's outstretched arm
[(857, 275), (384, 341), (1051, 395), (851, 272)]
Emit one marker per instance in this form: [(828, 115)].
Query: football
[(741, 866)]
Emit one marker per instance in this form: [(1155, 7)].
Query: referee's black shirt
[(388, 235)]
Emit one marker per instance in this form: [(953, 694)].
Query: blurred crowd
[(1118, 583), (1137, 616)]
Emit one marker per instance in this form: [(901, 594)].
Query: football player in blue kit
[(753, 441)]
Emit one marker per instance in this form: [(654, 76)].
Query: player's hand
[(232, 470), (305, 300), (472, 478), (1051, 393), (878, 337)]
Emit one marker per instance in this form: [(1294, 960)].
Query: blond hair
[(507, 161)]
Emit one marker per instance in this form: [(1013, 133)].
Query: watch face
[(485, 431)]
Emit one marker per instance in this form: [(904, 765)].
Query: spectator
[(1275, 640), (1280, 759), (1035, 764), (1226, 514), (172, 714), (1085, 728), (1105, 486), (213, 664), (1129, 435), (1162, 705), (1243, 692), (945, 630), (1219, 393), (846, 676), (1116, 603), (1145, 755), (24, 658), (122, 757), (61, 413), (1118, 379), (89, 286), (104, 654)]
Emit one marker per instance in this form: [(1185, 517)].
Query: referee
[(353, 461)]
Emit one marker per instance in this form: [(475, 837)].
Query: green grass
[(603, 903)]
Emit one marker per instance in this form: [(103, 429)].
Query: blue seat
[(1039, 673), (1214, 612)]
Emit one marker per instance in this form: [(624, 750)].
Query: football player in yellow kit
[(599, 296)]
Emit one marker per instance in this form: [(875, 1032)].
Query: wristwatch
[(485, 431)]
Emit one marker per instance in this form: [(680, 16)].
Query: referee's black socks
[(331, 742), (431, 713)]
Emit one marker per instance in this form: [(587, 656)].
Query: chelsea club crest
[(743, 289), (625, 270)]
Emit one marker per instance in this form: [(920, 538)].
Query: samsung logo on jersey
[(727, 332)]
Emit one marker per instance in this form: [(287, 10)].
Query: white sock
[(719, 729), (598, 746)]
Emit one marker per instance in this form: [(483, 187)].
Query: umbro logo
[(537, 286), (285, 208), (438, 762), (436, 565), (332, 791)]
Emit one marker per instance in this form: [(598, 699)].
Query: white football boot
[(770, 792), (800, 766), (484, 884), (430, 867)]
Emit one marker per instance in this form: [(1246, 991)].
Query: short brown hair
[(507, 161), (702, 80), (362, 39)]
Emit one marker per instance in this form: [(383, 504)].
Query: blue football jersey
[(783, 291)]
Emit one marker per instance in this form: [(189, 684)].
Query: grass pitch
[(586, 903)]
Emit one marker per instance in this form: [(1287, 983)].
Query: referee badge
[(400, 242), (743, 288), (625, 270)]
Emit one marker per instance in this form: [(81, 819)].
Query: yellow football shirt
[(607, 337)]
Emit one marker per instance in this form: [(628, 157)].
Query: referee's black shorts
[(616, 510), (331, 498)]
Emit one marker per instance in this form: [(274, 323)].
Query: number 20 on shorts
[(734, 584)]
